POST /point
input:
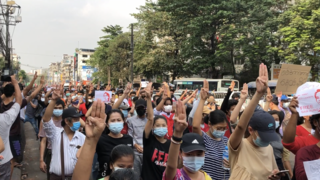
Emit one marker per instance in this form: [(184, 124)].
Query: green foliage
[(299, 29)]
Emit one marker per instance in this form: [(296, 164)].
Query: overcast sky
[(51, 28)]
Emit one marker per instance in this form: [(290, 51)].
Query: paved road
[(31, 157)]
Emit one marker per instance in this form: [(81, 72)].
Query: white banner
[(104, 96), (309, 99)]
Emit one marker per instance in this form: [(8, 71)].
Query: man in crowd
[(7, 118), (65, 142)]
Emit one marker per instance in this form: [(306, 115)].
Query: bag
[(37, 113)]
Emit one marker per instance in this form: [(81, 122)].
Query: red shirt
[(307, 153), (227, 133), (125, 129), (301, 131), (300, 142), (204, 129), (83, 110)]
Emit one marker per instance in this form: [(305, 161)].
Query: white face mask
[(42, 99), (90, 100), (286, 105), (168, 108)]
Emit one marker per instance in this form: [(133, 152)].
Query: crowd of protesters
[(149, 134)]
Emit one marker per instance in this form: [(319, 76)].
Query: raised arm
[(125, 95), (36, 91), (262, 85), (179, 127), (1, 145), (198, 115), (193, 95), (149, 124), (29, 87), (224, 105), (236, 111), (55, 96), (95, 125), (268, 100), (184, 93), (17, 91), (290, 133), (164, 97)]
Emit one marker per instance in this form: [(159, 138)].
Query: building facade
[(67, 68), (83, 71)]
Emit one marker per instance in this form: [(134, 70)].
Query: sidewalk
[(31, 157)]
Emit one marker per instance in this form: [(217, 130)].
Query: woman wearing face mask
[(192, 152), (214, 138), (155, 145), (122, 157), (277, 146), (252, 157), (109, 139)]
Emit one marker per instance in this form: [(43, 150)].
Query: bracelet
[(176, 139), (175, 142)]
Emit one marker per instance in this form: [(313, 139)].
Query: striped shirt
[(213, 161), (53, 134)]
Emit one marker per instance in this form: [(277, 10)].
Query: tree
[(222, 32), (157, 43), (100, 57), (22, 74), (300, 35)]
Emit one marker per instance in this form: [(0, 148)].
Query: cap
[(141, 102), (71, 112), (264, 123), (206, 110), (284, 98), (124, 107), (192, 142)]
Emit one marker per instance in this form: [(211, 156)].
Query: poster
[(104, 96), (291, 77), (87, 72), (309, 99)]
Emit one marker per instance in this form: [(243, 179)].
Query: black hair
[(91, 94), (106, 130), (113, 89), (63, 123), (80, 92), (120, 151), (314, 118), (235, 95), (218, 116), (158, 117), (8, 90), (133, 93), (20, 86), (124, 174), (168, 99), (231, 103), (159, 100), (300, 121), (155, 96), (135, 99)]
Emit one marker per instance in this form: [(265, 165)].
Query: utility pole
[(132, 47), (8, 55)]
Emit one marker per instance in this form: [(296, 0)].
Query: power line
[(39, 54), (31, 66)]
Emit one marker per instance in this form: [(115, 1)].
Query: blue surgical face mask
[(68, 94), (193, 163), (125, 113), (116, 127), (57, 112), (277, 124), (161, 131), (218, 134), (260, 143), (75, 126)]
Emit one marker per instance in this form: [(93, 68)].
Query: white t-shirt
[(23, 113), (7, 118)]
